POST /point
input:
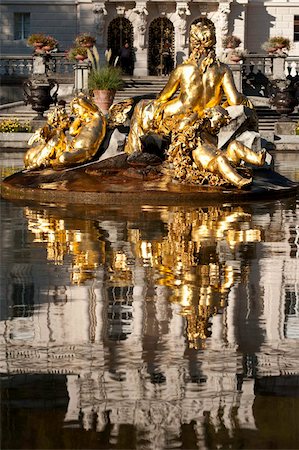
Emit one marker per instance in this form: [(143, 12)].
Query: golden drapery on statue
[(190, 110)]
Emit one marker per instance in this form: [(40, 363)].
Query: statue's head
[(202, 35)]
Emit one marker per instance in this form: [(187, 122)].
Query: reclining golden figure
[(201, 80), (57, 150)]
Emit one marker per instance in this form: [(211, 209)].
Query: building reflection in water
[(159, 318)]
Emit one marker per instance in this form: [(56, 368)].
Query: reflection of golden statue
[(194, 266), (55, 149), (77, 238), (202, 81)]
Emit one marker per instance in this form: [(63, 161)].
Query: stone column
[(221, 23), (139, 20)]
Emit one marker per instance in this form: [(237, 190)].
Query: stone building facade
[(146, 25)]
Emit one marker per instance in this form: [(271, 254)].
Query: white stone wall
[(56, 18), (252, 21)]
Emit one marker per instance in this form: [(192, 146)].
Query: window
[(21, 25), (296, 28)]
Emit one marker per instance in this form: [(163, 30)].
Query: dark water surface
[(151, 328)]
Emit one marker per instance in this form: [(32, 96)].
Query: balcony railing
[(255, 71), (21, 65)]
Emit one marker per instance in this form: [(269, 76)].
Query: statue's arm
[(232, 95), (75, 127), (171, 86)]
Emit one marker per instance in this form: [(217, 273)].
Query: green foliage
[(85, 39), (281, 41), (36, 37), (105, 78), (14, 126), (41, 38), (231, 41), (75, 51), (277, 44)]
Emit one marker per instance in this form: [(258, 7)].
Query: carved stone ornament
[(120, 10), (100, 12), (140, 22)]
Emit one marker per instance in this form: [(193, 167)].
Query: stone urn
[(40, 96), (283, 96)]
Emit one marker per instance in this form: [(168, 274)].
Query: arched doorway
[(161, 35), (120, 31)]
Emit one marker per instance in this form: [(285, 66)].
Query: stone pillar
[(279, 68), (139, 20), (221, 23), (81, 77)]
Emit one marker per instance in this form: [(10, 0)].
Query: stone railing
[(21, 65), (257, 70)]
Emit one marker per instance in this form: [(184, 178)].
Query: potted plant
[(77, 54), (236, 56), (231, 41), (277, 45), (85, 40), (42, 43), (104, 80), (36, 39), (50, 44)]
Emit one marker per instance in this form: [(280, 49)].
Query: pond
[(152, 327)]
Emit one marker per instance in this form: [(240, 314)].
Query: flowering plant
[(36, 38), (231, 41), (277, 45), (14, 126), (85, 40), (42, 43), (78, 53)]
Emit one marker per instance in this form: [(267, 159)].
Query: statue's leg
[(222, 165), (140, 125), (31, 156), (236, 152)]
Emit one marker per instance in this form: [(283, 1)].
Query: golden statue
[(55, 148), (202, 81)]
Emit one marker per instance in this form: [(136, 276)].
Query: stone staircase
[(149, 87)]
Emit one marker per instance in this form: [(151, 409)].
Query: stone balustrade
[(255, 71), (21, 65)]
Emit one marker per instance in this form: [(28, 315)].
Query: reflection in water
[(167, 325), (194, 258)]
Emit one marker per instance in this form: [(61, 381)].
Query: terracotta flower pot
[(80, 57), (235, 59), (103, 99)]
